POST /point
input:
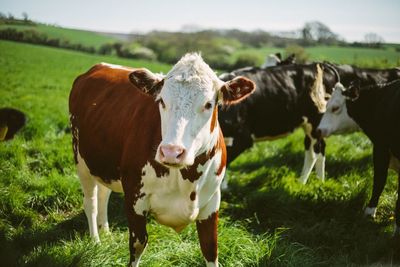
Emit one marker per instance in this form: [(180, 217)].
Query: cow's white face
[(186, 109), (188, 97), (336, 120)]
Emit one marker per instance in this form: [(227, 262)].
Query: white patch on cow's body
[(336, 120), (168, 197), (370, 212)]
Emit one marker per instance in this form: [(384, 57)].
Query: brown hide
[(118, 125)]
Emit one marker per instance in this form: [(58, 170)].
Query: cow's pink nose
[(171, 154)]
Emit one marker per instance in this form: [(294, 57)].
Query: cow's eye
[(208, 106), (162, 103), (335, 109)]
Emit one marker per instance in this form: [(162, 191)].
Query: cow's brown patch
[(160, 169), (192, 174), (214, 119), (221, 146)]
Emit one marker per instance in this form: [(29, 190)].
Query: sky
[(351, 19)]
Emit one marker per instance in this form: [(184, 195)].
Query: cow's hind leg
[(381, 158), (103, 195), (89, 187)]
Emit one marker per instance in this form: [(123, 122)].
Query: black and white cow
[(286, 98), (376, 110)]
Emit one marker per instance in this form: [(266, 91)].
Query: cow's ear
[(278, 55), (353, 92), (236, 90), (146, 81)]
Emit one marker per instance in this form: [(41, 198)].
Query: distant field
[(267, 218), (87, 38), (366, 57)]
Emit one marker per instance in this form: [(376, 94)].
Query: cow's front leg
[(207, 231), (319, 149), (381, 158), (309, 158), (207, 225), (137, 233)]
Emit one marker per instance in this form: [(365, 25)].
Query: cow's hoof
[(370, 212)]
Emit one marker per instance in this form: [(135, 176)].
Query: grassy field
[(267, 218), (86, 38)]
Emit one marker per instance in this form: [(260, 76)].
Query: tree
[(373, 39), (316, 31), (25, 16)]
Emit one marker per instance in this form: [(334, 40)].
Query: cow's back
[(114, 124)]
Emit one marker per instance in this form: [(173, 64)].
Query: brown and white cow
[(157, 140)]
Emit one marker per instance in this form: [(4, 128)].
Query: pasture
[(267, 218)]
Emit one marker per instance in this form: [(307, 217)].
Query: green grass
[(267, 218), (74, 36)]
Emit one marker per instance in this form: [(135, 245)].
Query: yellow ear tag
[(3, 132)]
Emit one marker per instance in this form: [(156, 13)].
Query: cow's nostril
[(180, 155)]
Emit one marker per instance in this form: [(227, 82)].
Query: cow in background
[(11, 121), (158, 140), (286, 98), (376, 110)]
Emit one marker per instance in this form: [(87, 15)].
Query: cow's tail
[(317, 92)]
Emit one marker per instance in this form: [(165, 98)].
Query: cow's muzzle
[(172, 155)]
